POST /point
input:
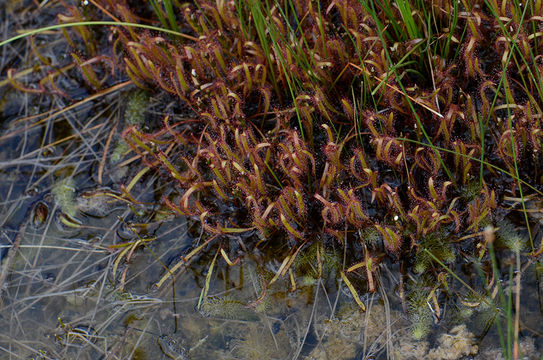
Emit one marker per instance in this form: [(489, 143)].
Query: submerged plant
[(64, 195), (419, 311), (439, 244)]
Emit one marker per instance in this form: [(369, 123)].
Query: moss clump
[(119, 151), (418, 310), (307, 263), (439, 245), (509, 237), (135, 109), (371, 237)]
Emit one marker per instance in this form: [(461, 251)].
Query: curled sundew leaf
[(260, 219), (446, 124), (11, 76), (416, 216), (184, 203), (227, 259), (391, 239), (244, 76), (332, 150), (331, 212), (425, 159), (440, 198), (353, 210), (360, 169), (389, 150), (505, 147)]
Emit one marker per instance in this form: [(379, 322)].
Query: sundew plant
[(405, 132)]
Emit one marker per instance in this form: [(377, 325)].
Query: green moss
[(509, 237), (307, 266), (371, 237), (119, 151), (437, 243), (418, 310), (472, 190), (135, 109)]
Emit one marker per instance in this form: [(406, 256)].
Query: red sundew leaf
[(366, 176), (328, 177), (446, 124), (180, 77), (219, 191), (392, 240), (290, 229), (19, 86), (174, 207), (348, 108), (425, 159), (184, 204), (416, 216), (389, 150), (131, 71), (139, 60), (353, 210), (331, 212)]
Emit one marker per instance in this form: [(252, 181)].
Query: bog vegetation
[(399, 130)]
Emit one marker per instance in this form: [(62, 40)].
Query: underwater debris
[(528, 350), (260, 343), (344, 335), (455, 344), (227, 308), (171, 348), (64, 195)]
